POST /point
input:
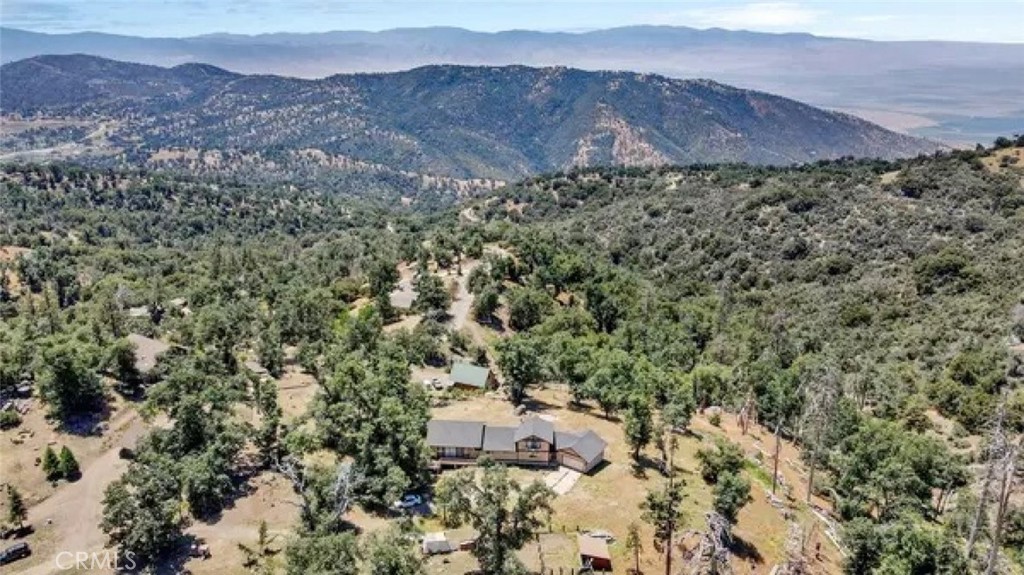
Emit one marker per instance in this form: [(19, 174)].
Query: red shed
[(594, 552)]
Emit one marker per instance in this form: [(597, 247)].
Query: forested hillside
[(865, 318), (452, 121), (906, 274)]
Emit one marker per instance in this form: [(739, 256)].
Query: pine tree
[(16, 510), (51, 465), (68, 465), (635, 545)]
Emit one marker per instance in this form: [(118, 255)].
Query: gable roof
[(593, 547), (469, 374), (444, 433), (587, 445), (498, 438), (535, 427)]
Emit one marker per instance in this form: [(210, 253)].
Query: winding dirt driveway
[(69, 519)]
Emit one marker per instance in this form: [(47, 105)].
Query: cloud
[(22, 12), (874, 18), (755, 15)]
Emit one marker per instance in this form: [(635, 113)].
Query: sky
[(980, 20)]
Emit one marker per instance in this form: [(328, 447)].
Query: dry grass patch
[(1005, 159)]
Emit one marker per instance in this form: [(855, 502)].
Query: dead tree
[(748, 413), (995, 452), (712, 554), (340, 494), (822, 394), (796, 561), (775, 458), (1007, 472)]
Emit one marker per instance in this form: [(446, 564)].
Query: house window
[(534, 445)]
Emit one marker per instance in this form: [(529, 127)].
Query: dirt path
[(69, 519), (462, 303)]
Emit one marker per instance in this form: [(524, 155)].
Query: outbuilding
[(594, 553), (471, 377), (436, 543)]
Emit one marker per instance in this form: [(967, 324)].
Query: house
[(147, 351), (533, 442), (472, 377), (580, 451), (594, 553), (455, 440)]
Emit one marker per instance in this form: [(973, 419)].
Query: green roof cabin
[(469, 376)]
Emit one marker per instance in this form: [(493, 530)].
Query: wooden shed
[(594, 553)]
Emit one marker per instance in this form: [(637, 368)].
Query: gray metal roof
[(444, 433), (587, 445), (469, 374), (535, 427), (499, 438)]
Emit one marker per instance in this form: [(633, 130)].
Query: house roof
[(147, 350), (593, 547), (445, 433), (469, 374), (535, 427), (437, 543), (587, 445), (499, 438)]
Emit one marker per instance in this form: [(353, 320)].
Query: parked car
[(199, 550), (14, 552), (408, 501)]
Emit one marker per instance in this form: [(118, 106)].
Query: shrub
[(51, 464), (67, 464), (731, 493), (9, 419), (948, 268), (726, 457), (854, 315)]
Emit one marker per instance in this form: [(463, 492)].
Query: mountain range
[(955, 91), (491, 123)]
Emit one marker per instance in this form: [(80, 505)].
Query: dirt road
[(69, 519), (462, 303)]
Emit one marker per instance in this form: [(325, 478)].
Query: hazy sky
[(996, 21)]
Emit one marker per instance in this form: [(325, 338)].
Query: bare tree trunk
[(671, 531), (979, 514), (778, 448), (668, 554), (996, 447), (1005, 488), (810, 479)]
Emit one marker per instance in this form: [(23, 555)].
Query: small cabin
[(471, 377)]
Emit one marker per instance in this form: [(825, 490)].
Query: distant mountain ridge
[(963, 92), (466, 122)]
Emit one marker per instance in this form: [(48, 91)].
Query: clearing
[(609, 498)]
